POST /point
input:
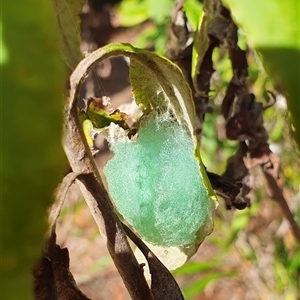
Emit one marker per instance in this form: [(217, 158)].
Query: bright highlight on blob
[(155, 183)]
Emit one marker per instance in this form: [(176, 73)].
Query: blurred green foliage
[(155, 36), (134, 12), (32, 80)]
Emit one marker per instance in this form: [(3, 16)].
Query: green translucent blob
[(156, 186)]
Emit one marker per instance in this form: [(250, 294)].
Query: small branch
[(276, 194), (93, 189), (98, 201), (60, 197)]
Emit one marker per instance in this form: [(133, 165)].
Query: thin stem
[(276, 194), (97, 199)]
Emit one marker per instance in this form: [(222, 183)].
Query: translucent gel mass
[(156, 186)]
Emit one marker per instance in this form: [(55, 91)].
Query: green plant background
[(32, 84)]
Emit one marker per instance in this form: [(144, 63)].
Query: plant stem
[(277, 195)]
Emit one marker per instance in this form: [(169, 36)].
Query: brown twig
[(60, 197), (277, 195), (52, 277), (101, 208), (96, 196)]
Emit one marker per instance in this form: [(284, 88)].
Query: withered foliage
[(243, 114), (52, 278)]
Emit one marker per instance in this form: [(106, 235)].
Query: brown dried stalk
[(163, 285), (96, 197), (277, 195)]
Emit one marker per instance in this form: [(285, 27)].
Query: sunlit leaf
[(159, 11), (192, 9), (132, 12), (195, 267), (3, 49), (199, 285)]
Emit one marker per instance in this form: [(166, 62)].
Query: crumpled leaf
[(211, 31), (52, 277), (97, 115), (216, 28), (273, 28), (100, 114)]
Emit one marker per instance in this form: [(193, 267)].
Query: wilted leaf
[(101, 116), (52, 276), (273, 28)]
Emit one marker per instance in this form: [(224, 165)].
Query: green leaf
[(201, 42), (199, 285), (195, 267), (132, 12), (192, 10), (159, 11), (68, 22), (31, 154), (273, 28)]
